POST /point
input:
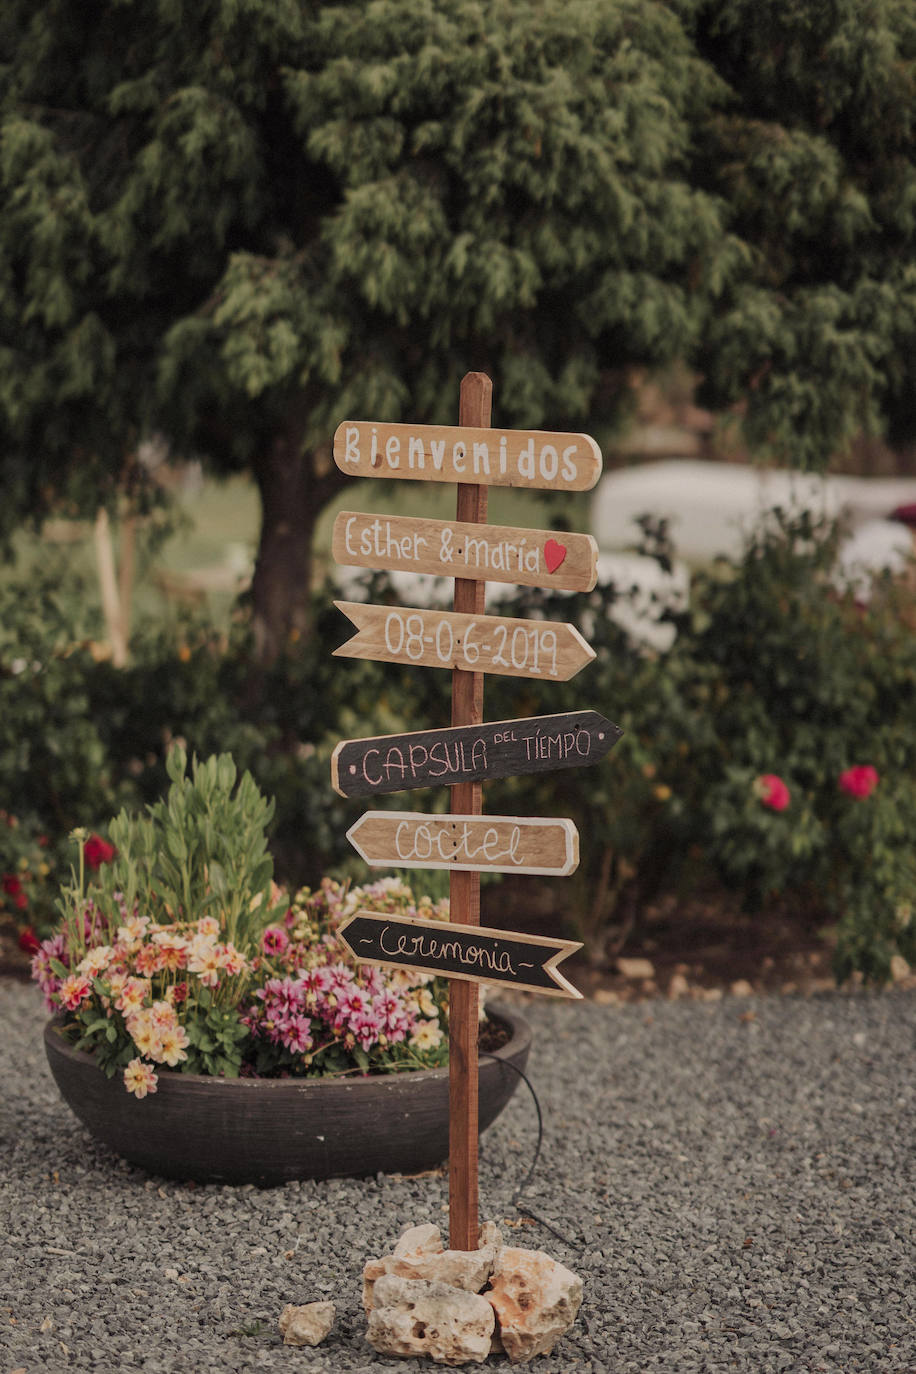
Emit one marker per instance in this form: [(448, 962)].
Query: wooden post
[(467, 709)]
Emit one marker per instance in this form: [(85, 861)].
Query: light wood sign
[(447, 548), (476, 644), (470, 753), (454, 950), (501, 844), (540, 459)]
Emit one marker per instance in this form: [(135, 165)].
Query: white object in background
[(712, 507)]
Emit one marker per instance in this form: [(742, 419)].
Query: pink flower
[(74, 990), (274, 940), (859, 781), (772, 791), (98, 851)]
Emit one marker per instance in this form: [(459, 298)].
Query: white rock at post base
[(419, 1240), (490, 1234), (307, 1325), (535, 1298), (419, 1255), (467, 1270), (417, 1317)]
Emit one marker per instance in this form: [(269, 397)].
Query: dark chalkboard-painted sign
[(453, 950), (471, 753)]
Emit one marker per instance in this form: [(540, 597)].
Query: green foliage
[(199, 851), (239, 223), (813, 157), (772, 672)]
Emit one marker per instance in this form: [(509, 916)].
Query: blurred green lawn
[(211, 552)]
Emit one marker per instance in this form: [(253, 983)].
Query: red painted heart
[(554, 554)]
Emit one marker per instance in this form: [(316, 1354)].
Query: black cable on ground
[(517, 1203)]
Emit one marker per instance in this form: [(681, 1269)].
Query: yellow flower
[(662, 792), (96, 960), (427, 1036), (172, 1050), (140, 1078)]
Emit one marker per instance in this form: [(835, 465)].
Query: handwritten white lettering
[(456, 842)]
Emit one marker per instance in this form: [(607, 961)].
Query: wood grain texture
[(501, 844), (547, 649), (471, 753), (453, 950), (468, 454), (474, 409), (451, 548)]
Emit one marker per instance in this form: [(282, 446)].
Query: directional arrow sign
[(453, 950), (470, 753), (488, 457), (482, 644), (502, 844), (452, 548)]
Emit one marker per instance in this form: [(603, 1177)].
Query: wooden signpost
[(474, 456), (475, 643), (526, 962), (447, 548), (471, 753), (502, 844)]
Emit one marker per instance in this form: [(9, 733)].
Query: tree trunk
[(292, 496)]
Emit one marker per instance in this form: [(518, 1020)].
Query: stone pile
[(457, 1307)]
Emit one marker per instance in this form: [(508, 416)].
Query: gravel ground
[(734, 1182)]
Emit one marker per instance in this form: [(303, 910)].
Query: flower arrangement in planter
[(178, 952), (179, 962)]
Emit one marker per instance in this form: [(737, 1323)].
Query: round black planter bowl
[(272, 1130)]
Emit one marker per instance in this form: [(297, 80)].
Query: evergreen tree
[(814, 154), (238, 222)]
